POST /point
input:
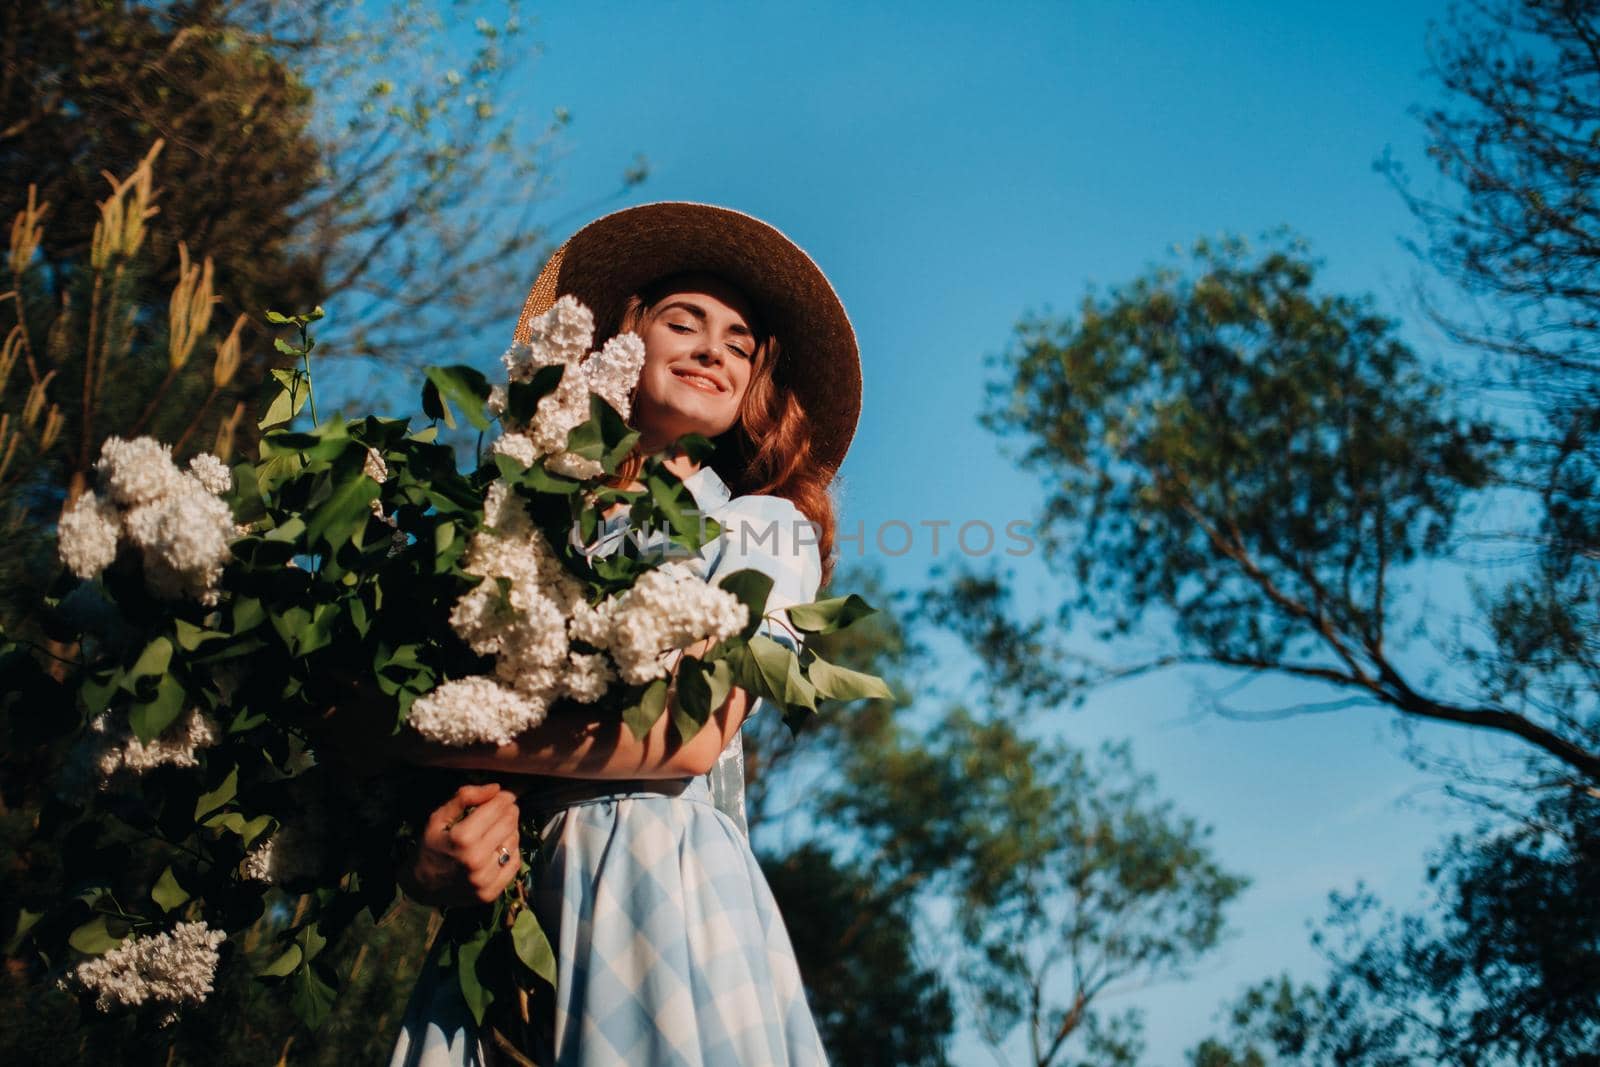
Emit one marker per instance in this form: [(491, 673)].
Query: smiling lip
[(696, 375)]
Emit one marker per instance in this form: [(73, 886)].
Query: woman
[(669, 947)]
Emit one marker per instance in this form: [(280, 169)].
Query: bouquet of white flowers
[(218, 615)]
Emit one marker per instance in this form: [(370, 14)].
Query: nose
[(708, 352)]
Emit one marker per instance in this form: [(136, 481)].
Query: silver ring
[(505, 855)]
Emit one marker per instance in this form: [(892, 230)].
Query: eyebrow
[(700, 313)]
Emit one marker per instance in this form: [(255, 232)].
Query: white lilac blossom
[(292, 852), (560, 412), (591, 624), (587, 677), (528, 609), (119, 750), (519, 446), (474, 710), (561, 337), (138, 471), (211, 473), (664, 611), (575, 466), (183, 538), (176, 520), (87, 535), (168, 970), (614, 371)]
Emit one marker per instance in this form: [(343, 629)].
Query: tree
[(1515, 141), (1248, 472), (1068, 877), (1501, 970), (318, 151), (1258, 463), (853, 929), (1517, 234), (856, 945), (87, 88), (174, 170), (788, 771)]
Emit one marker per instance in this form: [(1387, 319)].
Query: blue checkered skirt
[(669, 947)]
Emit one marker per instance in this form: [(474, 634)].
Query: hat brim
[(621, 254)]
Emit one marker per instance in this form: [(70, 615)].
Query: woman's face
[(699, 354)]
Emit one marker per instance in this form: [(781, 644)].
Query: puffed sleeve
[(769, 534)]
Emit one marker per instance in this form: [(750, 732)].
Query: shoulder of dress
[(761, 504)]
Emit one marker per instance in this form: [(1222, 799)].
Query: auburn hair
[(768, 449)]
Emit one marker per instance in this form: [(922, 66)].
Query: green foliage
[(780, 759), (1226, 442), (1068, 876), (856, 946), (1514, 139), (73, 327), (332, 618), (1253, 464), (1502, 969)]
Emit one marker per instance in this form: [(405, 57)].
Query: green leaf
[(678, 505), (286, 348), (26, 920), (311, 940), (247, 614), (191, 637), (769, 670), (532, 947), (96, 690), (288, 532), (641, 717), (478, 995), (285, 964), (233, 822), (152, 662), (278, 318), (841, 683), (150, 717), (752, 587), (826, 616), (292, 396), (219, 796), (94, 938), (701, 690), (345, 512), (167, 892), (618, 436), (305, 630), (522, 398), (311, 996), (459, 384), (697, 447)]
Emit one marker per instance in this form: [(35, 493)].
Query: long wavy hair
[(768, 449)]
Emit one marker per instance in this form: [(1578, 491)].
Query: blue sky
[(954, 166)]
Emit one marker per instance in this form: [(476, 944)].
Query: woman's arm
[(574, 746), (570, 746)]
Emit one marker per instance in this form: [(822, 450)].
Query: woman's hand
[(458, 859)]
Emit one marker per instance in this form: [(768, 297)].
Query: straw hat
[(622, 253)]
